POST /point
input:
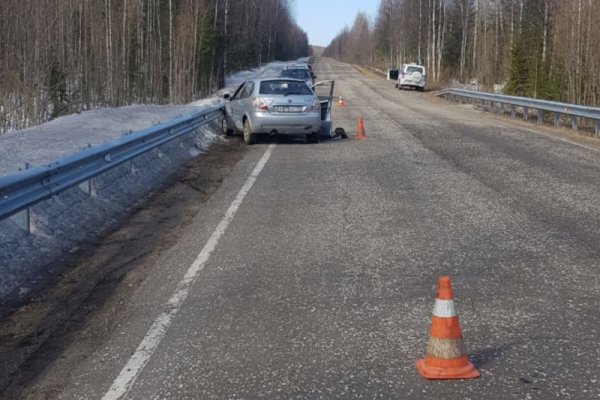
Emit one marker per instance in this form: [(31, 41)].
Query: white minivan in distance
[(411, 75)]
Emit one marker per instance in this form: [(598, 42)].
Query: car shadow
[(293, 139)]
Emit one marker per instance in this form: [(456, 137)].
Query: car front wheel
[(249, 137)]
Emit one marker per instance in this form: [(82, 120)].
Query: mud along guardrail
[(22, 190), (540, 106)]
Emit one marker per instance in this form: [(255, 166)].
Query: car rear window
[(412, 68), (295, 73), (284, 87)]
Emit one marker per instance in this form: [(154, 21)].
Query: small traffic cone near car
[(341, 102), (445, 357), (360, 129)]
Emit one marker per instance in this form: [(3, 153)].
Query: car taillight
[(316, 105), (260, 104)]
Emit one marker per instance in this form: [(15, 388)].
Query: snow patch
[(66, 221)]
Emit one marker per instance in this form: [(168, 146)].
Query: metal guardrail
[(541, 106), (22, 190)]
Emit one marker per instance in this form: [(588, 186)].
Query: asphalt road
[(321, 285)]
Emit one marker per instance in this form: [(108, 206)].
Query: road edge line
[(138, 360)]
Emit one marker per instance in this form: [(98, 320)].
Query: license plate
[(289, 109)]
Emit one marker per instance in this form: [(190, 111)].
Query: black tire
[(312, 137), (247, 135), (225, 129)]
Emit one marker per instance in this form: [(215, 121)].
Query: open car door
[(324, 91)]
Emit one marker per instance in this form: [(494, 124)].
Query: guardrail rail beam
[(573, 111), (24, 189)]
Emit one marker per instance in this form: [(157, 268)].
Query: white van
[(411, 75)]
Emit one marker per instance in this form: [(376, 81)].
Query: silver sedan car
[(273, 106)]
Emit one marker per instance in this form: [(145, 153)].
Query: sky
[(323, 19)]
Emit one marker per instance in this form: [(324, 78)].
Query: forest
[(547, 49), (64, 56)]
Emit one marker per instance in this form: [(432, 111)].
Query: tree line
[(546, 49), (64, 56)]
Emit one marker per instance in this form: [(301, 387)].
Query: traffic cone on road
[(360, 129), (445, 357), (341, 102)]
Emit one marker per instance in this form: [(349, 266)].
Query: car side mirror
[(227, 96), (314, 76)]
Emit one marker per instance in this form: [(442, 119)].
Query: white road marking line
[(562, 139), (130, 372)]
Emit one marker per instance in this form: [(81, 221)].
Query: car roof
[(296, 66), (279, 79)]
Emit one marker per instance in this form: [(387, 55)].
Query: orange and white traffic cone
[(445, 357), (360, 129), (341, 102)]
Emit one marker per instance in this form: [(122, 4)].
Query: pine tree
[(57, 91), (518, 72)]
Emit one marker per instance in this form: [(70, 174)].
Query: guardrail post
[(501, 108), (86, 187), (556, 119), (158, 153), (482, 105), (132, 169), (540, 116), (182, 143), (23, 220), (574, 122), (598, 127), (513, 111), (526, 113)]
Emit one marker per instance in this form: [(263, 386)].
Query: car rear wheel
[(225, 128), (249, 137)]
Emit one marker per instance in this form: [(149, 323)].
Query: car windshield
[(284, 87), (295, 73), (412, 68)]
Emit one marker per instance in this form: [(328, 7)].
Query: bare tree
[(61, 56)]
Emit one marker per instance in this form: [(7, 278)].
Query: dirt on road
[(75, 312)]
